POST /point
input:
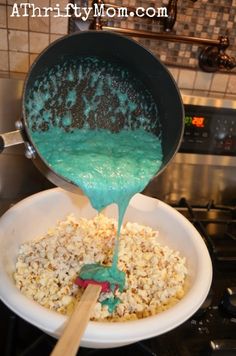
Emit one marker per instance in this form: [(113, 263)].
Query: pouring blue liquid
[(109, 166)]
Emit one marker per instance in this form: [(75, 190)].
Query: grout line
[(210, 86), (28, 24), (194, 80), (177, 79), (49, 23), (13, 29), (8, 46), (227, 84)]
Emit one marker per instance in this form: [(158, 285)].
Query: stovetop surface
[(213, 326)]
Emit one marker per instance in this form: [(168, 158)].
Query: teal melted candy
[(96, 125), (111, 303), (90, 93), (101, 273), (108, 167)]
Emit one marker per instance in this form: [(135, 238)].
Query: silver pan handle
[(10, 139)]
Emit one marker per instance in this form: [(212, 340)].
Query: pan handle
[(10, 139)]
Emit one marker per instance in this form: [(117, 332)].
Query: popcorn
[(47, 267)]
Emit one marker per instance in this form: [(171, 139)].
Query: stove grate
[(217, 226)]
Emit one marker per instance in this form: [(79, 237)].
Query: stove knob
[(228, 302), (224, 347)]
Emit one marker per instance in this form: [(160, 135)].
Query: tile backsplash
[(207, 19), (23, 38)]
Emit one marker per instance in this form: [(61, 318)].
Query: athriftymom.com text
[(84, 13)]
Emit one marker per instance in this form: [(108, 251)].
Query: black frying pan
[(149, 92)]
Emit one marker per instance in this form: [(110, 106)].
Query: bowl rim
[(121, 332)]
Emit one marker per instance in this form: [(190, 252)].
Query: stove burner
[(228, 302), (217, 225)]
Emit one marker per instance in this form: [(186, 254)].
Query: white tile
[(225, 17), (33, 56), (38, 41), (42, 3), (186, 78), (62, 3), (19, 62), (219, 82), (203, 81), (3, 39), (37, 3), (54, 37), (174, 72), (231, 88), (39, 24), (212, 22), (17, 23), (18, 41), (58, 25), (4, 61), (230, 25), (3, 16)]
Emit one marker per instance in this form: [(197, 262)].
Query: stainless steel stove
[(200, 183)]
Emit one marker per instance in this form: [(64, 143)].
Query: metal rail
[(164, 36)]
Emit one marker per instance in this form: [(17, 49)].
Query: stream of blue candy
[(69, 127)]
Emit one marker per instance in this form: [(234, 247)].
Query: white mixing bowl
[(33, 216)]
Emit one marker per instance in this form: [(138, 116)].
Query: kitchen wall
[(23, 38)]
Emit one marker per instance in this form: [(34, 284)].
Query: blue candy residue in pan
[(90, 92)]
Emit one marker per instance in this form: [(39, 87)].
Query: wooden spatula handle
[(68, 343)]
